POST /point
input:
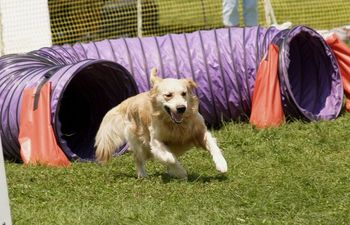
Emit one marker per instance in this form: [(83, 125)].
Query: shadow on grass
[(166, 178), (120, 175), (194, 178)]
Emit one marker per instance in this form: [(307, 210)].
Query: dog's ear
[(154, 77), (191, 84)]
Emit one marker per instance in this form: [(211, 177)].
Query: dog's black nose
[(180, 109)]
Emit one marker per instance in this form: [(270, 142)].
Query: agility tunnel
[(90, 78), (83, 91)]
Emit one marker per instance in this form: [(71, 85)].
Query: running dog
[(162, 123)]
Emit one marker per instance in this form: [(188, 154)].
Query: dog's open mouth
[(176, 117)]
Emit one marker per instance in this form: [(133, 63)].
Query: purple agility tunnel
[(90, 78), (83, 91)]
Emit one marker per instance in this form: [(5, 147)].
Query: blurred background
[(92, 20)]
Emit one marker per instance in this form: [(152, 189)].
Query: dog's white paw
[(141, 174), (221, 164), (177, 171)]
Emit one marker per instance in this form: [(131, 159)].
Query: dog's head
[(174, 97)]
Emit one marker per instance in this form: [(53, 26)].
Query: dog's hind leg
[(140, 166), (209, 143), (140, 158), (161, 152)]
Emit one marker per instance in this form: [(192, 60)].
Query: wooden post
[(139, 18), (5, 213), (269, 13)]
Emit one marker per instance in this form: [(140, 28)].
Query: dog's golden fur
[(163, 123)]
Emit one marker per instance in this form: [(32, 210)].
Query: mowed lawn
[(296, 174)]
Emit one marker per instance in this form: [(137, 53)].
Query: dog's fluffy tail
[(110, 136)]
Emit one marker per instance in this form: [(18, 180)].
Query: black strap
[(46, 77)]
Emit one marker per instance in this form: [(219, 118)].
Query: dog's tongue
[(177, 117)]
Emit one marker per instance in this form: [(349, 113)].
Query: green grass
[(184, 15), (296, 174)]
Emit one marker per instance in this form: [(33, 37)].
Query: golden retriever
[(162, 123)]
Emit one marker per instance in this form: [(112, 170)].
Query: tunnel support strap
[(45, 79)]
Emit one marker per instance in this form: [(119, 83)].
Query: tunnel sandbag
[(82, 92), (224, 63)]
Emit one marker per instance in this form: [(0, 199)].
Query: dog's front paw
[(221, 164)]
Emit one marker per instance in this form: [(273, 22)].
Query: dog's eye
[(168, 95), (184, 94)]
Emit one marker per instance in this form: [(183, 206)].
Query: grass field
[(184, 15), (296, 174)]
